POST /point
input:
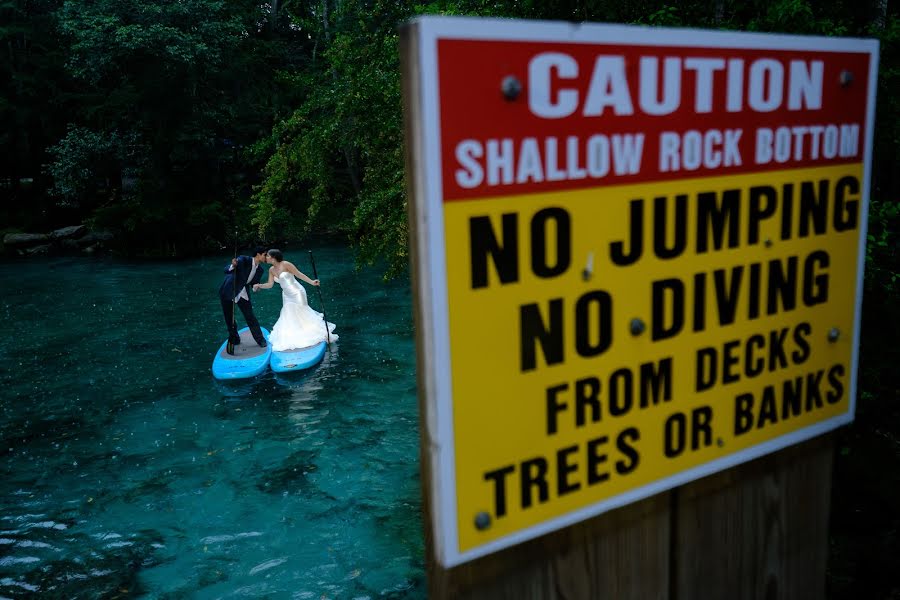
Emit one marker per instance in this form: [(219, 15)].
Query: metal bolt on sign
[(482, 521), (511, 87), (637, 327)]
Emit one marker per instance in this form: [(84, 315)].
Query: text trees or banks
[(645, 260)]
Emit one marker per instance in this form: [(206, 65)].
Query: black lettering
[(539, 242), (813, 393), (701, 423), (660, 220), (730, 359), (622, 443), (768, 409), (753, 295), (711, 216), (758, 212), (534, 475), (616, 249), (754, 366), (743, 414), (656, 381), (563, 469), (837, 387), (813, 207), (699, 301), (532, 331), (483, 242), (675, 435), (801, 331), (660, 329), (787, 210), (620, 381), (583, 312), (707, 367), (595, 460), (727, 300), (776, 349), (845, 211), (498, 476), (792, 398), (783, 285), (554, 407), (815, 287), (587, 391)]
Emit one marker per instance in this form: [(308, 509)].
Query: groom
[(240, 275)]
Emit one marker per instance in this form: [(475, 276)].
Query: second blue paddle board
[(297, 359)]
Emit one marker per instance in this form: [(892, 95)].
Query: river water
[(126, 470)]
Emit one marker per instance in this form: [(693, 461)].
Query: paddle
[(321, 302), (230, 347)]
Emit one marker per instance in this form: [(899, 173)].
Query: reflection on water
[(127, 470)]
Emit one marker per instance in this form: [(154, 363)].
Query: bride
[(298, 325)]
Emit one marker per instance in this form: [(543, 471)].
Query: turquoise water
[(127, 471)]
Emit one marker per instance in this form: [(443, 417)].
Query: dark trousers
[(247, 311)]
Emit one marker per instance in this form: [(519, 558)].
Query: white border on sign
[(430, 29)]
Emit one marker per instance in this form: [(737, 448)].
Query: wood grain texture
[(621, 555), (758, 530)]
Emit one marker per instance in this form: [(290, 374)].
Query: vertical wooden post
[(756, 531)]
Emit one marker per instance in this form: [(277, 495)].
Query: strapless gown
[(298, 325)]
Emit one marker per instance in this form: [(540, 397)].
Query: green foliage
[(336, 162)]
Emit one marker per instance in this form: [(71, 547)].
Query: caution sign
[(639, 260)]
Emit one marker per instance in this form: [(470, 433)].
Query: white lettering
[(540, 96), (572, 168), (764, 139), (805, 84), (598, 155), (703, 89), (849, 140), (608, 88), (553, 172), (499, 162), (735, 89), (471, 175), (766, 85), (732, 150), (671, 86), (529, 167), (627, 152)]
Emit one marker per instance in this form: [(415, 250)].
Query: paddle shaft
[(230, 347), (321, 302)]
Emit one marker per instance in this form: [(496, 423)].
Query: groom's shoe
[(262, 344)]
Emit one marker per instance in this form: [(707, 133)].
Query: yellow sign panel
[(638, 260), (559, 403)]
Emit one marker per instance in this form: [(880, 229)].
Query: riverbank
[(71, 240)]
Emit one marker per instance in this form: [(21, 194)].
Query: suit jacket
[(228, 289)]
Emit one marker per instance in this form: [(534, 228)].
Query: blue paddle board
[(248, 360), (297, 359)]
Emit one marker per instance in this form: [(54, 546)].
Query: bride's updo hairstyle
[(276, 254)]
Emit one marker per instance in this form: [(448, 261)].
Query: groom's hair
[(259, 250)]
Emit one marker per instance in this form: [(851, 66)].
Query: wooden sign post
[(637, 261)]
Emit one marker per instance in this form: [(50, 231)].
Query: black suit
[(235, 282)]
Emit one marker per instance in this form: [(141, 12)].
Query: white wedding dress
[(298, 325)]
